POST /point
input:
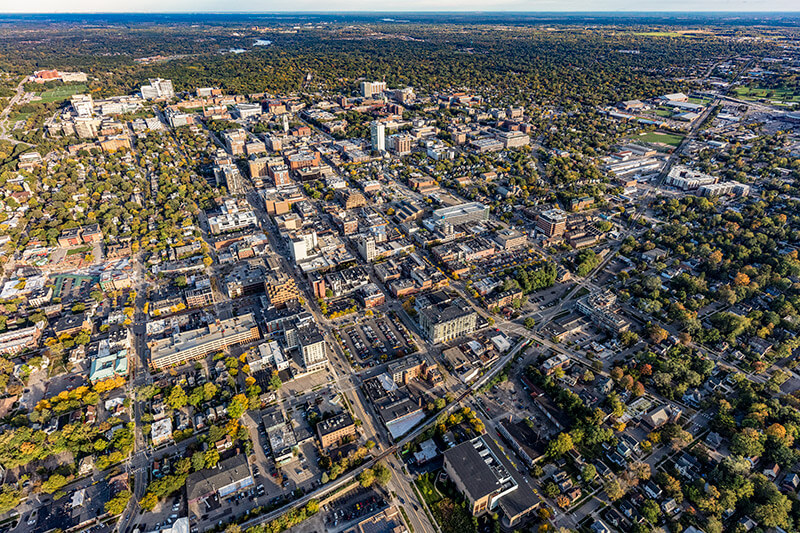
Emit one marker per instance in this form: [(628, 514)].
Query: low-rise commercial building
[(228, 477), (332, 431)]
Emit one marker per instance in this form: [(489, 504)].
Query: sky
[(268, 6)]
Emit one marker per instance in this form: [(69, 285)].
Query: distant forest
[(569, 65)]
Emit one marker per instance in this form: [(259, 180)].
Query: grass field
[(671, 139), (14, 117), (784, 95), (61, 93), (664, 113)]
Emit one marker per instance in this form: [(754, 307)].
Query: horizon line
[(427, 12)]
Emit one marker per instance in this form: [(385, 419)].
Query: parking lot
[(352, 508), (375, 340)]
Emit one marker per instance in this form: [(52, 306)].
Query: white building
[(82, 104), (377, 132), (158, 88)]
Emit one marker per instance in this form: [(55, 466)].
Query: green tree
[(560, 445), (118, 503), (198, 461), (382, 474), (209, 391), (9, 498), (275, 381), (177, 398), (211, 457), (748, 443), (366, 478), (238, 406), (53, 483)]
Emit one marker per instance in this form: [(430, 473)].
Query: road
[(4, 114)]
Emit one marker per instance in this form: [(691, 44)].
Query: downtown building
[(197, 343)]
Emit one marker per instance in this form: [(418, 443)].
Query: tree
[(198, 461), (209, 391), (562, 501), (650, 511), (748, 443), (657, 334), (53, 483), (628, 338), (238, 406), (9, 498), (614, 490), (211, 457), (529, 322), (177, 398), (366, 478), (551, 489), (775, 512), (560, 445), (589, 472), (149, 501), (641, 471), (275, 381), (382, 474), (118, 503)]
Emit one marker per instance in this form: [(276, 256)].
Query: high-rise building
[(235, 141), (366, 247), (82, 104), (400, 143), (377, 132), (158, 88), (552, 222), (371, 88), (280, 175), (258, 167), (312, 347)]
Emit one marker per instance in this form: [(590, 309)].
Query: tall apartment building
[(302, 244), (312, 347), (235, 141), (552, 222), (371, 88), (366, 248), (280, 175), (82, 104), (377, 132), (231, 177), (244, 280), (258, 167), (158, 88), (201, 294), (400, 143), (197, 343)]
